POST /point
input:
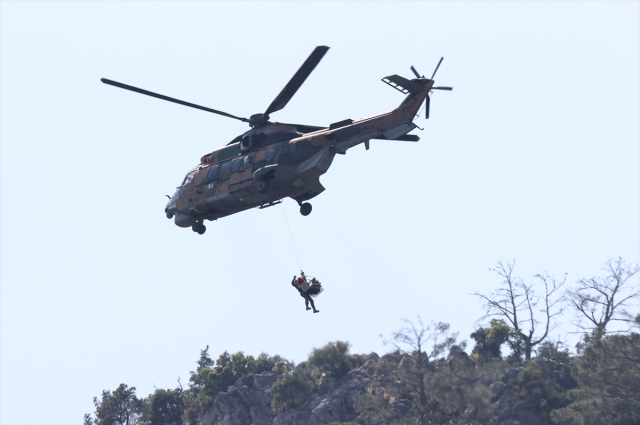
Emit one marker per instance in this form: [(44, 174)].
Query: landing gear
[(199, 228), (262, 186), (305, 209), (169, 215)]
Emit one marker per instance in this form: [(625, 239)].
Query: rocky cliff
[(248, 401)]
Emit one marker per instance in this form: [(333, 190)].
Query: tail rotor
[(415, 72), (438, 66), (428, 98)]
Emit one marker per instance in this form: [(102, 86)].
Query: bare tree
[(414, 341), (598, 301), (530, 314)]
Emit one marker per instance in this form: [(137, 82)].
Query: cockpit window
[(175, 196), (235, 165), (224, 170), (213, 172), (189, 177)]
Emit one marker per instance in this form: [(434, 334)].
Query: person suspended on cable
[(299, 284), (315, 288)]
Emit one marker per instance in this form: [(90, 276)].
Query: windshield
[(175, 196), (189, 177)]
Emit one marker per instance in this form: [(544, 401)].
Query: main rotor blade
[(294, 84), (434, 72), (415, 72), (442, 88), (170, 99)]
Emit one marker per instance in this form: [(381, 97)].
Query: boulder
[(209, 418), (497, 388), (264, 381)]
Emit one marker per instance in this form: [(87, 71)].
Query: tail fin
[(402, 84), (417, 90)]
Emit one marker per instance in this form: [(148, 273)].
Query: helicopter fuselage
[(274, 160), (280, 162)]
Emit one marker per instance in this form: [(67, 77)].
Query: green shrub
[(165, 406), (292, 390), (331, 360), (608, 377), (490, 339), (541, 394), (551, 351), (121, 406)]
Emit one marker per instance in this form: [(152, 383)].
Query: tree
[(121, 407), (164, 407), (212, 377), (217, 379), (431, 390), (292, 390), (460, 391), (489, 340), (374, 406), (598, 301), (274, 364), (204, 362), (413, 341), (518, 304), (553, 351), (540, 393), (296, 385), (331, 360), (608, 377)]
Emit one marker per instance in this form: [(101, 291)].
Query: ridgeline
[(428, 378)]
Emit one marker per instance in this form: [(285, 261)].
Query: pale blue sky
[(534, 156)]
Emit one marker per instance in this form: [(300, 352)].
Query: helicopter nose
[(170, 208)]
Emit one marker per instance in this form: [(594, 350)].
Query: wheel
[(305, 209), (169, 215), (262, 186), (198, 228)]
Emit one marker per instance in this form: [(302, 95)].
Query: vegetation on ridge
[(429, 379)]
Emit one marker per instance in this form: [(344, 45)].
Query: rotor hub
[(257, 120)]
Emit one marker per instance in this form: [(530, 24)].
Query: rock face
[(243, 404), (248, 401)]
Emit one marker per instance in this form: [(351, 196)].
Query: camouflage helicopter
[(276, 160)]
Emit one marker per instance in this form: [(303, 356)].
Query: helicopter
[(275, 160)]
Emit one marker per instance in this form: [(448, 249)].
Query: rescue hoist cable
[(291, 237)]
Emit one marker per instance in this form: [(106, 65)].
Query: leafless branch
[(411, 339), (517, 302), (598, 301)]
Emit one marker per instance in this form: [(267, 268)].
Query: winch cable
[(291, 237)]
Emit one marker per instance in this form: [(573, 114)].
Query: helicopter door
[(241, 172), (261, 159)]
